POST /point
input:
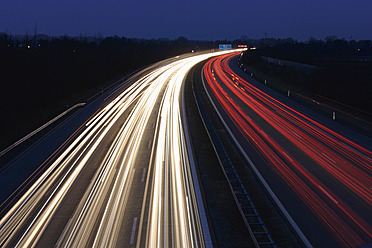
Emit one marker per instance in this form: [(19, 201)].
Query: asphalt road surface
[(123, 178), (317, 171)]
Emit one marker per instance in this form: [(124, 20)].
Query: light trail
[(97, 221), (341, 158), (170, 166)]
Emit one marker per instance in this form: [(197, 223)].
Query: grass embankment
[(341, 85)]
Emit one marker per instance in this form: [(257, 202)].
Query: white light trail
[(172, 188)]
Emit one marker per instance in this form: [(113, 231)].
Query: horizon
[(242, 38), (207, 20)]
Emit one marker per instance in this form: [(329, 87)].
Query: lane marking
[(296, 134), (263, 133), (149, 145), (328, 157), (325, 192), (287, 156), (133, 231), (63, 233), (143, 174)]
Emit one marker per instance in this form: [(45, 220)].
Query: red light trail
[(344, 160)]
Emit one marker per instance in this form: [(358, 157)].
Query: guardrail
[(40, 128)]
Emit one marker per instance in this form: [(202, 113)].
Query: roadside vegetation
[(42, 76), (343, 68), (332, 76)]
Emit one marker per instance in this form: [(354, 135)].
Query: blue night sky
[(200, 20)]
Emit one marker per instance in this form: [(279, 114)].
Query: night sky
[(194, 19)]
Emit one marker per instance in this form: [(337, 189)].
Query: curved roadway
[(123, 180), (318, 173)]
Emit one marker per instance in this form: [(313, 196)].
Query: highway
[(319, 174), (123, 180)]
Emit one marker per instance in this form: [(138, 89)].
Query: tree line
[(345, 67), (41, 75)]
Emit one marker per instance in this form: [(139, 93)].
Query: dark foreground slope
[(42, 76)]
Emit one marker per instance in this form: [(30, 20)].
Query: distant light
[(358, 49), (253, 48), (74, 50), (28, 47), (192, 51)]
